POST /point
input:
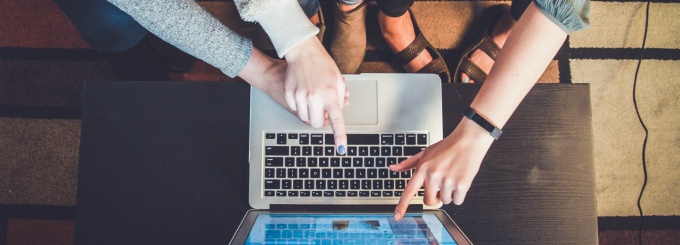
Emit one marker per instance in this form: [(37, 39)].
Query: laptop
[(300, 186)]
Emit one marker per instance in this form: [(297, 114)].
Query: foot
[(315, 19), (348, 44), (398, 32), (499, 34)]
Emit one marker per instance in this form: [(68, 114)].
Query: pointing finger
[(409, 192), (407, 164), (338, 125)]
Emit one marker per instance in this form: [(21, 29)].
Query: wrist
[(482, 122), (469, 131), (304, 48), (286, 25), (259, 68)]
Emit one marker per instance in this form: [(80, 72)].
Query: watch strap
[(494, 131)]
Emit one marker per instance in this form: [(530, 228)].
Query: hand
[(315, 88), (446, 169), (267, 75)]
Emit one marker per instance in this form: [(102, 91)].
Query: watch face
[(471, 114)]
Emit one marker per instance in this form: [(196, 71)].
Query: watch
[(471, 114)]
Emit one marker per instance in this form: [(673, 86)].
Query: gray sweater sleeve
[(283, 20), (570, 15), (186, 25)]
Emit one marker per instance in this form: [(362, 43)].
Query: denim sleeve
[(189, 27), (570, 15)]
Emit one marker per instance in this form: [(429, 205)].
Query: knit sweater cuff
[(286, 24), (570, 15)]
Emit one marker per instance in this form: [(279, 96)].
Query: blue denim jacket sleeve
[(570, 15)]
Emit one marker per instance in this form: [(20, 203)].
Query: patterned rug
[(43, 63)]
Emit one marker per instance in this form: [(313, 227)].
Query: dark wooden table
[(167, 163)]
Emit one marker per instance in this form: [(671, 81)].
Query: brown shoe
[(348, 46), (321, 26)]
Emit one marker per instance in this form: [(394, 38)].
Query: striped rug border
[(49, 212), (32, 212), (40, 112), (617, 223), (624, 53), (4, 220), (16, 53), (566, 52), (563, 64)]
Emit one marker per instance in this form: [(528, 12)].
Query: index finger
[(409, 192), (342, 91), (337, 121)]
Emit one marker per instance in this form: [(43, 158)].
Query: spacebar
[(363, 139)]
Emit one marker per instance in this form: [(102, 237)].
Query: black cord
[(637, 111)]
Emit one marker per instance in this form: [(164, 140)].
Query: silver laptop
[(305, 193), (390, 117)]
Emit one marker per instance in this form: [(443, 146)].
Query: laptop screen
[(348, 229)]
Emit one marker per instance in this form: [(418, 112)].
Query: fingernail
[(396, 215), (341, 150), (466, 80)]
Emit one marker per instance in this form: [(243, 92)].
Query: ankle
[(390, 25), (348, 8), (394, 26)]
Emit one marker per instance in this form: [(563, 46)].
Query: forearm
[(267, 75), (526, 54), (186, 25), (257, 66)]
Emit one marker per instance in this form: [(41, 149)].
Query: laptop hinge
[(343, 208)]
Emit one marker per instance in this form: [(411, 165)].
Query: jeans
[(394, 8), (311, 7), (103, 25)]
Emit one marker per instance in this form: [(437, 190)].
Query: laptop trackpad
[(363, 106)]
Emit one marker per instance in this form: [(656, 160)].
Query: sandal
[(482, 42), (436, 66)]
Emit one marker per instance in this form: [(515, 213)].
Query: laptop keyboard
[(307, 164)]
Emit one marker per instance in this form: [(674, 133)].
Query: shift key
[(272, 184)]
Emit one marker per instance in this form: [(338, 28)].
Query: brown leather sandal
[(436, 66), (483, 42)]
